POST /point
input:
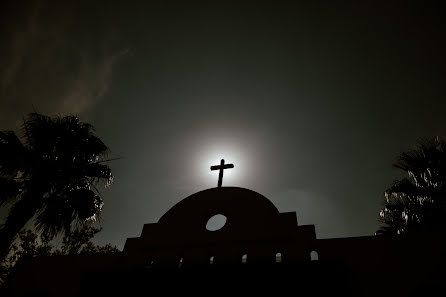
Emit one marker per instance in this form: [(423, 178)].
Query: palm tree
[(417, 203), (51, 177)]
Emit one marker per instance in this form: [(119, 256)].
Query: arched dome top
[(238, 204), (226, 215)]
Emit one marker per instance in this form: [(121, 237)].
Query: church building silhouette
[(253, 249)]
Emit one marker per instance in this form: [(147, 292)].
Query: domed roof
[(247, 217), (223, 200), (237, 204)]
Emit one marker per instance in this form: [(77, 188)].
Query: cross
[(221, 167)]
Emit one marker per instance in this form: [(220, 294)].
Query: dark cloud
[(48, 64)]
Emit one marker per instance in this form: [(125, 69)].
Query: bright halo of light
[(212, 155)]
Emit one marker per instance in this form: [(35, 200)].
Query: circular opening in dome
[(216, 222)]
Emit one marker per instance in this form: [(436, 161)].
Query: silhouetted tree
[(79, 242), (417, 203), (51, 176), (30, 244)]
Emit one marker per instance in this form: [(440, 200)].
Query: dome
[(239, 205), (249, 221)]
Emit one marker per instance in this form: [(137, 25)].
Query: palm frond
[(98, 172), (86, 205), (426, 165), (60, 164), (69, 211), (418, 202), (55, 216), (63, 137), (10, 190), (12, 154)]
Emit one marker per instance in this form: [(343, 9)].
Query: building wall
[(358, 266)]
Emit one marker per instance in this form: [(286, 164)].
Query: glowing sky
[(311, 102)]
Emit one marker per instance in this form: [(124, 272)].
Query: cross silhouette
[(221, 167)]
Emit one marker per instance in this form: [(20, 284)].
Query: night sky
[(312, 102)]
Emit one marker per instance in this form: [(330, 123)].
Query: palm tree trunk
[(21, 212)]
